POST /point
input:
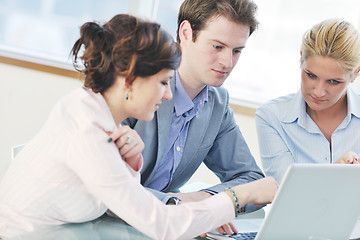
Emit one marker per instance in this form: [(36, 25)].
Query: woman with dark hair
[(72, 171)]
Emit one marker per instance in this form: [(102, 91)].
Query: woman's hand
[(258, 192), (348, 158), (228, 228), (129, 144)]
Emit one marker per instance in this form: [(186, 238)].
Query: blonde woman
[(318, 124)]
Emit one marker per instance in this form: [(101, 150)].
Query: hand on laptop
[(227, 229), (258, 192), (348, 158), (201, 195)]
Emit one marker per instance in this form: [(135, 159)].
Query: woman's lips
[(317, 100)]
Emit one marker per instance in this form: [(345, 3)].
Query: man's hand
[(201, 195)]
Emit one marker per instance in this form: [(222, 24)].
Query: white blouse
[(69, 173)]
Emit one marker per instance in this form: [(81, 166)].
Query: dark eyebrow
[(220, 42), (308, 71), (169, 77)]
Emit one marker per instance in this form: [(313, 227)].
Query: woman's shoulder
[(77, 102), (82, 106), (285, 109), (279, 104)]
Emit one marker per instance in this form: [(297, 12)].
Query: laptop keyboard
[(243, 236)]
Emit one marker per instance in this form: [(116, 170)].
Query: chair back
[(15, 150)]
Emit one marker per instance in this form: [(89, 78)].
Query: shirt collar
[(296, 111), (182, 101), (353, 101), (297, 108)]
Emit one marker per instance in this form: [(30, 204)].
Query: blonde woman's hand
[(348, 158)]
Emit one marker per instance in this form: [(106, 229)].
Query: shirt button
[(178, 148)]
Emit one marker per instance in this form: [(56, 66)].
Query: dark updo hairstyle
[(125, 46)]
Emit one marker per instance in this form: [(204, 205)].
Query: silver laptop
[(314, 202)]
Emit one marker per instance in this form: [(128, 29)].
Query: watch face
[(173, 201)]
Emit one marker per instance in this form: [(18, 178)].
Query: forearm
[(163, 197), (135, 162), (248, 207), (258, 192)]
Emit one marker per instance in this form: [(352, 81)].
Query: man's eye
[(237, 51)]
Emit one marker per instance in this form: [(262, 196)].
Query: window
[(45, 30), (269, 66)]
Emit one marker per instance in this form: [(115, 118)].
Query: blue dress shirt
[(184, 111), (288, 135), (213, 138)]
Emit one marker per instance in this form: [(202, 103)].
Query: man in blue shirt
[(197, 125)]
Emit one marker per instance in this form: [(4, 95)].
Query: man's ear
[(185, 31)]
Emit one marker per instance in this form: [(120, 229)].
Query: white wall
[(28, 96)]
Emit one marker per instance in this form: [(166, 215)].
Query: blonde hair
[(333, 38)]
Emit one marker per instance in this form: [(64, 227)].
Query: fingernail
[(109, 139)]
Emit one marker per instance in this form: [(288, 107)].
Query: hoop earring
[(127, 95)]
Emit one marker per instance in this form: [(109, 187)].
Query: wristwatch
[(173, 201)]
